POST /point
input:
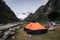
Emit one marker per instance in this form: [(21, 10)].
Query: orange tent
[(35, 28)]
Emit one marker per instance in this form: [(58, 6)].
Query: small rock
[(0, 31), (13, 37), (30, 36)]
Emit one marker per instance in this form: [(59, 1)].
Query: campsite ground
[(51, 35)]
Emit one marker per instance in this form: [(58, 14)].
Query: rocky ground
[(51, 35)]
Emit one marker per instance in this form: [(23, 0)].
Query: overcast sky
[(24, 6)]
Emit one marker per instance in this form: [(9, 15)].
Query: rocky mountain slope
[(6, 14), (50, 11)]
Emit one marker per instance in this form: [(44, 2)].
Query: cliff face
[(6, 14), (50, 11)]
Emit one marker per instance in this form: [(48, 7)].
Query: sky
[(19, 7)]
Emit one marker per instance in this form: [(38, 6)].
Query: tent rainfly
[(35, 28)]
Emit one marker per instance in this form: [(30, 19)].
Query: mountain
[(6, 14), (29, 17), (49, 11)]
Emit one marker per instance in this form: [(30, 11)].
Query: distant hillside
[(6, 14), (29, 17), (50, 11)]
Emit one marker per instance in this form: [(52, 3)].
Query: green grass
[(51, 35)]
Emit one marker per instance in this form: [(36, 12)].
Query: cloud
[(23, 6)]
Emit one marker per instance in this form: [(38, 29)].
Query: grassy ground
[(51, 35)]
